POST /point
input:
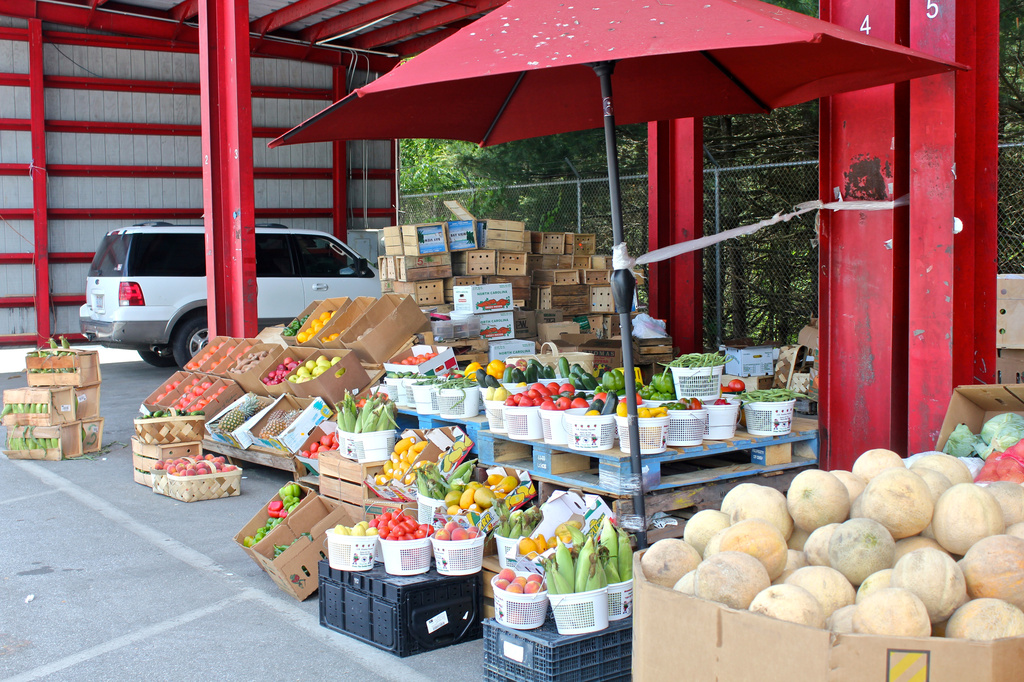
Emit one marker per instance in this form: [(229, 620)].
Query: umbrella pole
[(623, 287)]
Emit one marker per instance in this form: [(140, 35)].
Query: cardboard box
[(88, 400), (250, 381), (501, 350), (525, 323), (462, 234), (329, 385), (564, 505), (440, 365), (750, 383), (385, 328), (808, 336), (425, 238), (483, 298), (749, 361), (1009, 366), (606, 352), (729, 644), (260, 518), (314, 411), (342, 321), (548, 316), (551, 331), (497, 326), (974, 405), (61, 405)]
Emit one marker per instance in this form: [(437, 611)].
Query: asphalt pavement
[(101, 579)]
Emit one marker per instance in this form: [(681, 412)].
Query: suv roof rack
[(276, 226), (153, 223)]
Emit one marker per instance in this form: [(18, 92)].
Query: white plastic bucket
[(580, 613), (406, 557), (519, 611), (351, 552), (459, 557), (703, 383), (372, 446), (553, 426), (426, 398), (427, 508), (523, 423), (653, 434), (458, 403), (769, 419), (507, 547), (722, 420), (589, 434), (686, 427), (405, 396), (620, 600), (495, 410)]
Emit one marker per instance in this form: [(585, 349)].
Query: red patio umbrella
[(524, 70)]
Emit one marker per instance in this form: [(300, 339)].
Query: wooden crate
[(547, 242), (342, 478), (520, 284), (505, 235), (386, 267), (60, 405), (596, 276), (166, 430), (477, 262), (512, 264), (393, 245), (556, 276), (580, 244), (145, 455), (564, 262), (80, 368), (427, 292), (451, 282), (541, 261), (198, 488), (419, 268), (600, 262), (571, 299), (580, 262), (423, 239), (601, 300)]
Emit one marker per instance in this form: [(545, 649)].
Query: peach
[(460, 534), (515, 588), (451, 526), (501, 584), (520, 580), (507, 574), (532, 588), (473, 532), (443, 535)]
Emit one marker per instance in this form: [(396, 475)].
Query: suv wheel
[(190, 337), (157, 360)]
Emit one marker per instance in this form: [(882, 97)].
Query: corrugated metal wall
[(69, 194)]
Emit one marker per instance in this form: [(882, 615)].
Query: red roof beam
[(355, 18), (185, 10), (289, 14), (442, 16)]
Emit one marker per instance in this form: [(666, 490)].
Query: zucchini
[(549, 372), (506, 378), (531, 374), (589, 382), (563, 367), (517, 376), (492, 382), (598, 405), (481, 378), (610, 403)]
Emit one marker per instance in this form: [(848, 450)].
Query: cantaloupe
[(759, 539), (797, 539), (859, 547), (1010, 497), (730, 578), (949, 466), (794, 559), (908, 545), (714, 544), (986, 619), (829, 587), (1016, 530), (900, 500), (874, 462), (879, 580), (816, 547), (817, 498), (929, 531), (936, 481), (685, 584), (965, 514), (841, 620), (752, 501), (854, 483), (935, 578), (892, 612), (994, 567), (857, 507), (790, 603), (668, 560), (705, 523)]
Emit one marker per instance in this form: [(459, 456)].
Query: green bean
[(771, 395), (692, 360)]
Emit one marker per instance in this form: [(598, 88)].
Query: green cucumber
[(610, 403), (507, 376), (598, 405), (481, 378), (589, 382), (563, 367), (491, 382), (531, 374), (549, 372), (517, 376)]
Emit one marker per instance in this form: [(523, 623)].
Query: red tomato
[(566, 388), (639, 399), (304, 453), (534, 394), (579, 402), (315, 447), (601, 396), (695, 404), (426, 527), (539, 387), (420, 534), (382, 533), (547, 405), (553, 388), (325, 439), (374, 522), (386, 516), (510, 401), (737, 385), (563, 403)]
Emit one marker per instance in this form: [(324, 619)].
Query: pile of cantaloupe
[(882, 550)]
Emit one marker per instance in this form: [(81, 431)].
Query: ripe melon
[(1016, 530), (949, 466), (1010, 497), (936, 481), (935, 578), (759, 539), (879, 580), (730, 578), (900, 500), (714, 545), (908, 545), (854, 483), (986, 619), (994, 567), (752, 501), (816, 547), (859, 547), (685, 584), (817, 498), (794, 559), (893, 612), (841, 620), (705, 523), (789, 603), (797, 539), (828, 586), (668, 560), (874, 462), (857, 507), (965, 514), (929, 531)]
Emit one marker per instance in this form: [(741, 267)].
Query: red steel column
[(932, 278), (339, 176), (676, 214), (863, 290), (37, 126), (229, 214)]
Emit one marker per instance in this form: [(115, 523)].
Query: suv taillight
[(130, 293)]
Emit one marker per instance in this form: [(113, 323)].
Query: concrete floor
[(100, 579)]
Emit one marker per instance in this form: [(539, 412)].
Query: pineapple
[(278, 422), (238, 416)]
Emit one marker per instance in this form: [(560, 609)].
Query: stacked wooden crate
[(567, 275)]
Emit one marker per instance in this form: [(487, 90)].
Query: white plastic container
[(769, 419), (405, 396), (427, 507), (620, 600), (686, 428), (351, 552), (372, 446), (703, 383), (458, 403), (523, 423), (580, 613), (506, 547), (553, 426), (406, 557), (514, 389), (722, 420), (495, 410), (459, 557), (589, 434), (426, 398), (519, 611), (653, 434)]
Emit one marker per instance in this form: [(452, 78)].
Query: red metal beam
[(20, 340), (160, 87), (229, 213), (74, 171), (676, 214), (15, 124), (16, 258), (169, 213), (41, 243), (339, 169), (58, 257), (119, 128), (416, 45), (29, 301), (185, 10), (354, 18), (436, 18), (289, 14)]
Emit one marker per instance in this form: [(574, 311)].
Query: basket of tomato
[(404, 543)]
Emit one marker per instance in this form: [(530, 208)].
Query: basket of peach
[(520, 599)]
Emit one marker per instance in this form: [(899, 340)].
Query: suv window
[(321, 256), (166, 255), (273, 257), (109, 258)]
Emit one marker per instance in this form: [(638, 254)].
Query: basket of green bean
[(769, 412), (698, 375)]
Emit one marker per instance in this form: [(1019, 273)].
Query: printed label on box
[(437, 622), (461, 235), (497, 325)]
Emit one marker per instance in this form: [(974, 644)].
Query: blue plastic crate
[(542, 655), (404, 615)]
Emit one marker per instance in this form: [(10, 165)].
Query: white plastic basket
[(350, 552), (703, 383), (426, 398), (653, 434), (427, 508), (722, 420), (523, 423), (397, 392), (553, 427), (769, 419), (519, 611), (686, 427), (589, 434), (405, 396), (372, 446), (620, 600), (458, 403), (495, 410), (406, 557), (504, 547), (580, 613), (513, 389), (459, 557)]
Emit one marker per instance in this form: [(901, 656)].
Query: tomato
[(373, 523), (566, 388), (315, 447), (579, 402), (737, 386), (386, 516), (325, 439), (538, 387), (526, 402), (601, 396), (420, 534), (695, 404), (426, 527), (721, 401), (510, 401), (382, 533), (553, 388), (563, 403), (534, 394), (547, 405)]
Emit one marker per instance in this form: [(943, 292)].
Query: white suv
[(146, 288)]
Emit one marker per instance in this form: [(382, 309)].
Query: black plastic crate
[(543, 655), (403, 615)]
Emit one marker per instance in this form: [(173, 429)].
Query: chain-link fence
[(1011, 208)]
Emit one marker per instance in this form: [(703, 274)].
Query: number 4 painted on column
[(866, 26), (933, 9)]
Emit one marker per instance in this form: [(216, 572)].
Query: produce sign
[(596, 565)]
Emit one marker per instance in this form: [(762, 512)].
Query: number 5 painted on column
[(933, 9)]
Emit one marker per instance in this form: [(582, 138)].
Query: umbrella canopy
[(523, 70)]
